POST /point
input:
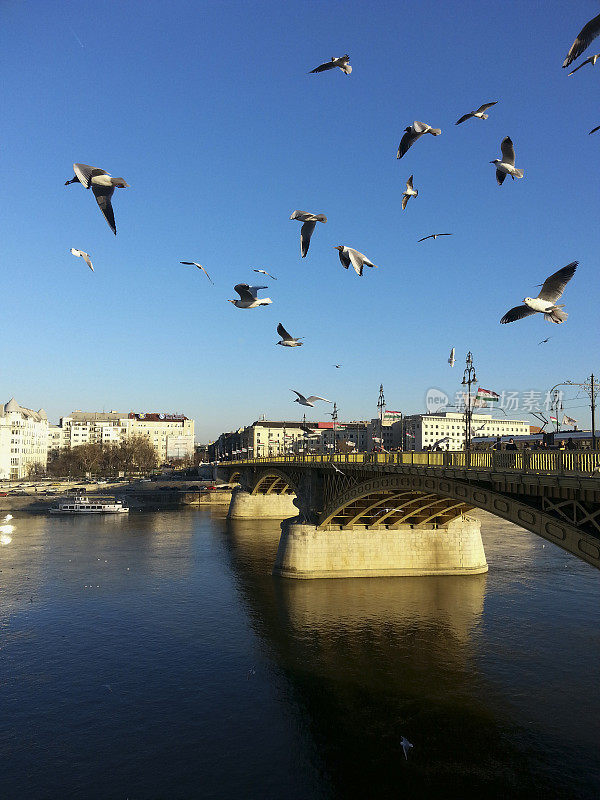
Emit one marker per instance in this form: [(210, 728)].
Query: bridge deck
[(552, 462)]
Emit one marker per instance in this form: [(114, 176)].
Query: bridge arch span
[(273, 481), (438, 499)]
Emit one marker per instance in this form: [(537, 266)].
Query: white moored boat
[(83, 505)]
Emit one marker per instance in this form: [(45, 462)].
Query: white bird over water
[(339, 61), (545, 302), (414, 132), (410, 192), (348, 255), (7, 518), (308, 401), (452, 359), (584, 38), (248, 298), (506, 165), (479, 113), (406, 746), (287, 340), (264, 272), (200, 267), (433, 236), (591, 60), (85, 256), (103, 187), (306, 231)]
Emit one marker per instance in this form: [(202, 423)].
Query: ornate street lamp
[(469, 378)]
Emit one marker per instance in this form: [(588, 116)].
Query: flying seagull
[(308, 401), (83, 255), (545, 302), (584, 38), (479, 113), (410, 192), (200, 267), (340, 61), (306, 231), (337, 366), (287, 340), (414, 132), (264, 272), (591, 60), (337, 469), (547, 339), (248, 298), (433, 236), (406, 746), (594, 130), (506, 165), (103, 187), (7, 518), (451, 358), (350, 256)]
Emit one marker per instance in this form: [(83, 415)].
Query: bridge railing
[(563, 462)]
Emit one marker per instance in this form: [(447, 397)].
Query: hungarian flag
[(393, 415), (554, 419), (487, 396)]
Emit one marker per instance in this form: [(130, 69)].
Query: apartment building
[(23, 440)]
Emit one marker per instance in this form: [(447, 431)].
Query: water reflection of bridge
[(366, 661)]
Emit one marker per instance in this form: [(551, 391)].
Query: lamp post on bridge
[(469, 378), (590, 387), (334, 416), (381, 410)]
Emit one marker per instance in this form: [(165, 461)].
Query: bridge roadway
[(554, 494)]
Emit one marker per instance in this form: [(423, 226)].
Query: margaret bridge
[(554, 494)]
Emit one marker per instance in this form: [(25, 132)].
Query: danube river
[(154, 656)]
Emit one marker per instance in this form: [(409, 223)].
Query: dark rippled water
[(155, 657)]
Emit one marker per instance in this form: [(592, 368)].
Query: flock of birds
[(103, 186)]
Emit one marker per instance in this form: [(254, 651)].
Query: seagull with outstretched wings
[(348, 255), (433, 236), (506, 165), (200, 267), (308, 401), (479, 113), (84, 255), (306, 231), (287, 340), (410, 192), (412, 133), (248, 296), (545, 302), (264, 272), (584, 38), (339, 61), (102, 185)]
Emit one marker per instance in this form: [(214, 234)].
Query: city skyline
[(220, 151)]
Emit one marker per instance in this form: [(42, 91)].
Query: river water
[(154, 656)]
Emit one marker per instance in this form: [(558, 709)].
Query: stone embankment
[(138, 496)]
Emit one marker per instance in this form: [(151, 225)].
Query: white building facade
[(23, 440), (422, 431), (171, 435)]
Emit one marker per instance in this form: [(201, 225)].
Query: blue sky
[(208, 112)]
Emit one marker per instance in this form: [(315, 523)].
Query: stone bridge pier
[(359, 525)]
